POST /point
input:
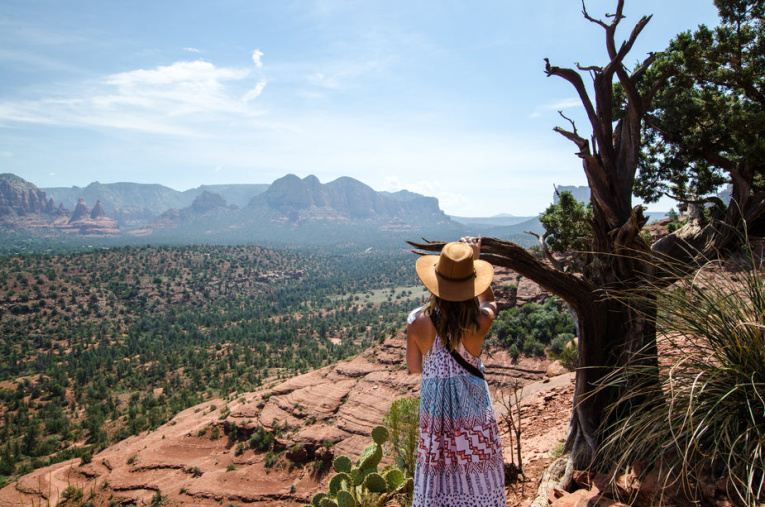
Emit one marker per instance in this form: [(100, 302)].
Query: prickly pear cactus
[(370, 458), (394, 478), (375, 483), (362, 484), (336, 483), (357, 476), (342, 464), (345, 499), (380, 434)]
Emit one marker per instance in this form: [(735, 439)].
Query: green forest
[(97, 346)]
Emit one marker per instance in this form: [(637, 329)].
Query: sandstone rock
[(19, 197), (98, 211), (556, 368), (80, 212)]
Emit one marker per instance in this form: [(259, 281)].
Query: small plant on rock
[(363, 483)]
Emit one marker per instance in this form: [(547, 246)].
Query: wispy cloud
[(166, 99), (556, 106), (192, 50), (257, 57), (255, 92)]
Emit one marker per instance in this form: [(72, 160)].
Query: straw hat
[(454, 275)]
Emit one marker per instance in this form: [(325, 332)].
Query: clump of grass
[(705, 417)]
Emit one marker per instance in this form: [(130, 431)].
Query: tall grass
[(705, 419)]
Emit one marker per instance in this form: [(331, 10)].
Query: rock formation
[(81, 211), (19, 197), (98, 211), (86, 223), (346, 197), (193, 459), (207, 201)]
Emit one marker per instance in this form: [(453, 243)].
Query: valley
[(98, 346)]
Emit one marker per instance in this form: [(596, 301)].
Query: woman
[(459, 461)]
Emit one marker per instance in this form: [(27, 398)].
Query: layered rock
[(19, 197), (90, 223), (193, 459)]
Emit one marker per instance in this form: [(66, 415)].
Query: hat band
[(451, 279)]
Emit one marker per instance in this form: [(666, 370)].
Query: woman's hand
[(474, 243)]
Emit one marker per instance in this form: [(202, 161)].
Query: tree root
[(550, 478)]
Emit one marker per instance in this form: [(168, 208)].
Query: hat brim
[(454, 290)]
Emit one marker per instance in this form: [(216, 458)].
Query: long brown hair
[(453, 319)]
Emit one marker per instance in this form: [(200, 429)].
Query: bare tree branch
[(576, 81), (570, 287), (591, 19), (546, 249), (583, 144)]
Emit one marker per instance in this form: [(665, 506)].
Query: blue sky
[(447, 98)]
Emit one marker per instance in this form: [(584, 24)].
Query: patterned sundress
[(459, 461)]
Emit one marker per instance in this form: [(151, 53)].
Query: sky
[(447, 98)]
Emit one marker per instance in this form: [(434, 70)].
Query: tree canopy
[(707, 123)]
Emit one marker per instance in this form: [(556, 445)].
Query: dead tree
[(611, 332)]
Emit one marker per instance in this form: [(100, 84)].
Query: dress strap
[(413, 315), (467, 366)]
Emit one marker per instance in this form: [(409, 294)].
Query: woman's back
[(459, 460)]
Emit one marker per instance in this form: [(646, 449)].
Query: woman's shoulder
[(418, 317), (413, 315)]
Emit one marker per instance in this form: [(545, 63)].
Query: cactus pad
[(370, 458), (375, 483), (357, 476), (394, 478), (345, 499), (326, 502), (380, 434), (342, 464), (336, 483), (317, 499)]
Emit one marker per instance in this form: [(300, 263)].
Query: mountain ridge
[(291, 210)]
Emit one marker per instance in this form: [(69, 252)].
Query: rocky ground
[(193, 459)]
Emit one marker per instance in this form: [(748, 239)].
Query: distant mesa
[(207, 201), (345, 198), (20, 198), (291, 209), (24, 207)]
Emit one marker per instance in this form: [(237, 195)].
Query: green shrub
[(707, 415), (403, 421)]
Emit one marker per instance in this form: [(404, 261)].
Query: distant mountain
[(347, 197), (496, 220), (305, 211), (27, 209), (19, 197), (134, 204), (291, 210)]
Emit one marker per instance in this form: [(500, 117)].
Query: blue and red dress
[(459, 461)]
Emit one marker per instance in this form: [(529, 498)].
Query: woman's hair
[(453, 319)]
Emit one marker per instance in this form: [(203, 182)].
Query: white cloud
[(257, 56), (255, 92), (192, 50), (171, 99), (557, 106), (199, 73)]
